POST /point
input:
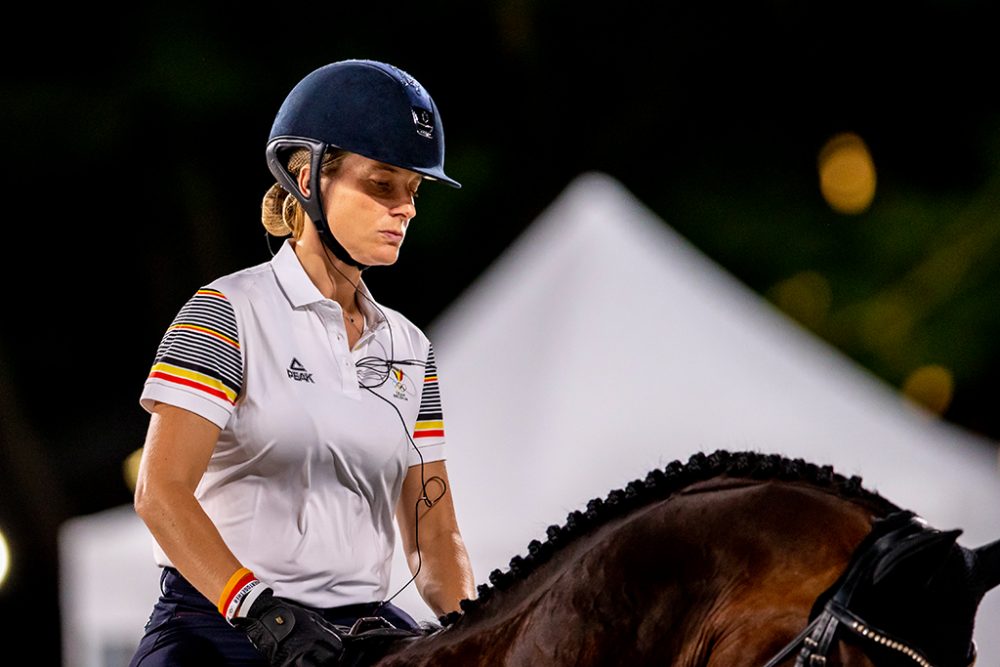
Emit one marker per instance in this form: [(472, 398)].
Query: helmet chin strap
[(333, 244), (318, 214)]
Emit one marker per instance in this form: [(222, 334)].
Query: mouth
[(393, 237)]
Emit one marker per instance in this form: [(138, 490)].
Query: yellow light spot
[(847, 174), (805, 296), (130, 468), (4, 559), (931, 386)]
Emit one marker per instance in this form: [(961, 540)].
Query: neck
[(333, 278), (639, 547)]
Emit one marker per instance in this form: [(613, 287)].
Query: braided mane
[(659, 484)]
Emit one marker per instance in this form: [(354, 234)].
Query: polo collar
[(300, 290), (372, 314)]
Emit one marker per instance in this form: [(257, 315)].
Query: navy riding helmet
[(362, 106)]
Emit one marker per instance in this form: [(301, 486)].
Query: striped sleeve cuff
[(159, 392), (428, 431), (428, 453), (199, 363)]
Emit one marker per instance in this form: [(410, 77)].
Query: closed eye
[(385, 187)]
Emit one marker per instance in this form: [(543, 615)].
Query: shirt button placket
[(333, 322)]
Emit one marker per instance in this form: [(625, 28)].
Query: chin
[(383, 258)]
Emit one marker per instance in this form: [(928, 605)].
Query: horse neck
[(692, 568)]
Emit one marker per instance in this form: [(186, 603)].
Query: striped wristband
[(239, 594)]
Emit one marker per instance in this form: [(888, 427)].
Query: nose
[(406, 212)]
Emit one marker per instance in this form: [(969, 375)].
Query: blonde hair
[(280, 212)]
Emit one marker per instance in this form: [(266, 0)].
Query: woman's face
[(369, 205)]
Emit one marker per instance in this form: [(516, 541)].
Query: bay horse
[(731, 559)]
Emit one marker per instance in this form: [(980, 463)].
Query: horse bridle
[(818, 637)]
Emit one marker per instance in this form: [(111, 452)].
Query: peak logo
[(298, 372)]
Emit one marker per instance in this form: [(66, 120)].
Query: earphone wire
[(368, 363), (267, 240)]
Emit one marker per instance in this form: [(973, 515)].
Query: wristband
[(244, 599), (236, 583)]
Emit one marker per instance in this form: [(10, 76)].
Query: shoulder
[(402, 325), (239, 285), (225, 304)]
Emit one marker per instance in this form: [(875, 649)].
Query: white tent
[(602, 345), (108, 583)]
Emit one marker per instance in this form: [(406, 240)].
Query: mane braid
[(658, 485)]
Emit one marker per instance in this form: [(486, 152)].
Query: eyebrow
[(392, 170)]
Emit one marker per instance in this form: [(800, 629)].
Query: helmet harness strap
[(313, 203)]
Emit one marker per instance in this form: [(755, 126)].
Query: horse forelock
[(659, 484)]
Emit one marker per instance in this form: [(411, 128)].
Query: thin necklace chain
[(357, 304)]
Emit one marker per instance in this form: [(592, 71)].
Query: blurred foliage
[(140, 143)]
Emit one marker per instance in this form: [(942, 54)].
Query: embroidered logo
[(400, 390), (298, 372), (424, 120)]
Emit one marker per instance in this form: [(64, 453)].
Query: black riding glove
[(289, 635)]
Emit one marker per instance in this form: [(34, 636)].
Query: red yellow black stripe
[(201, 348)]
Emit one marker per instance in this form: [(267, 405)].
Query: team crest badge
[(404, 385)]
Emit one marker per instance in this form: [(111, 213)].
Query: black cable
[(267, 240), (416, 509), (382, 369)]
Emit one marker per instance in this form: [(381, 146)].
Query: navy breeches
[(186, 629)]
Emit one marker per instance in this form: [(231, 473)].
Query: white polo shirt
[(304, 479)]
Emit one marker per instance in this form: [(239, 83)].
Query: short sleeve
[(199, 365), (428, 433)]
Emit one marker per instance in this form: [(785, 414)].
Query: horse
[(731, 559)]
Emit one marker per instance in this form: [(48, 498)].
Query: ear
[(922, 557), (303, 180), (986, 568)]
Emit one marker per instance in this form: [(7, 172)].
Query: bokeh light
[(847, 174), (130, 469), (806, 296), (931, 386), (4, 559)]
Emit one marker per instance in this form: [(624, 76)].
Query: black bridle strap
[(786, 652), (817, 644), (860, 627), (817, 639), (818, 636)]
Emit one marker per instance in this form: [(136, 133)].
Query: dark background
[(134, 168)]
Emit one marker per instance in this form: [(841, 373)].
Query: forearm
[(431, 527), (445, 576), (188, 537)]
